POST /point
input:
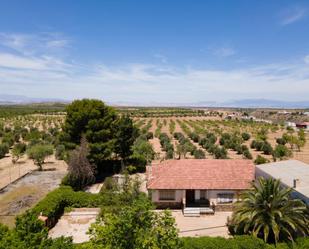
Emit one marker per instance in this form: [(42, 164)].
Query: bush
[(199, 154), (281, 141), (245, 136), (247, 154), (267, 148), (281, 151), (241, 242), (260, 160), (56, 201), (4, 149), (195, 138), (61, 153), (149, 135), (220, 153), (8, 139), (169, 154)]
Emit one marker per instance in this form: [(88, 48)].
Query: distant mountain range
[(6, 99)]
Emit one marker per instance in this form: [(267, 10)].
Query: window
[(225, 198), (203, 194), (166, 195)]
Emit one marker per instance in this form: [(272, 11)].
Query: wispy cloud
[(306, 59), (224, 52), (51, 75), (292, 15), (29, 44), (161, 57)]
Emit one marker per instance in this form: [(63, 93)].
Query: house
[(292, 173), (303, 125), (284, 112), (199, 183)]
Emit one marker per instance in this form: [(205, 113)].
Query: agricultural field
[(172, 132), (21, 184), (214, 137)]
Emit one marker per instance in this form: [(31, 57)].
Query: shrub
[(149, 135), (4, 149), (238, 242), (61, 153), (281, 141), (56, 201), (260, 160), (169, 154), (267, 148), (195, 138), (245, 136), (199, 154), (220, 153), (8, 139), (281, 151), (247, 154)]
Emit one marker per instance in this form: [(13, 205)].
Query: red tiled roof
[(201, 174)]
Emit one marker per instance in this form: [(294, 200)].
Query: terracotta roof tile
[(201, 174)]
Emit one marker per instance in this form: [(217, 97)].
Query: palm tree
[(267, 211)]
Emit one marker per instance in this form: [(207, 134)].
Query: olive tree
[(39, 152)]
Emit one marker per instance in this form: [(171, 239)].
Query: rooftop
[(287, 171), (201, 174)]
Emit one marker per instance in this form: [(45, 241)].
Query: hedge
[(239, 242), (55, 202)]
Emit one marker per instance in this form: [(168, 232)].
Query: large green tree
[(99, 124), (267, 211), (125, 137)]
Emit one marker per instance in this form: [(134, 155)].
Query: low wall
[(171, 205)]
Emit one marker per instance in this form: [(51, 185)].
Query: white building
[(292, 173)]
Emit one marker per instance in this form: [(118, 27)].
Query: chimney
[(295, 183)]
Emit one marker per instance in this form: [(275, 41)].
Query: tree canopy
[(268, 212)]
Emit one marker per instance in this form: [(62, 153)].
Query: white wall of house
[(179, 194), (212, 195)]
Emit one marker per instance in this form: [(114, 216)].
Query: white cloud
[(292, 15), (30, 44), (50, 75), (306, 59)]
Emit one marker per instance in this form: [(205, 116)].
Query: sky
[(155, 51)]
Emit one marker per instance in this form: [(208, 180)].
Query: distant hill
[(266, 103), (6, 99)]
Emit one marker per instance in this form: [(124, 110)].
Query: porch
[(194, 204)]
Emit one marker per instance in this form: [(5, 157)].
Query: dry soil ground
[(209, 225), (28, 190), (76, 224)]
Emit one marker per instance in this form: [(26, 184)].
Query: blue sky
[(155, 51)]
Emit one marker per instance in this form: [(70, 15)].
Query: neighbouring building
[(292, 173), (199, 183)]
